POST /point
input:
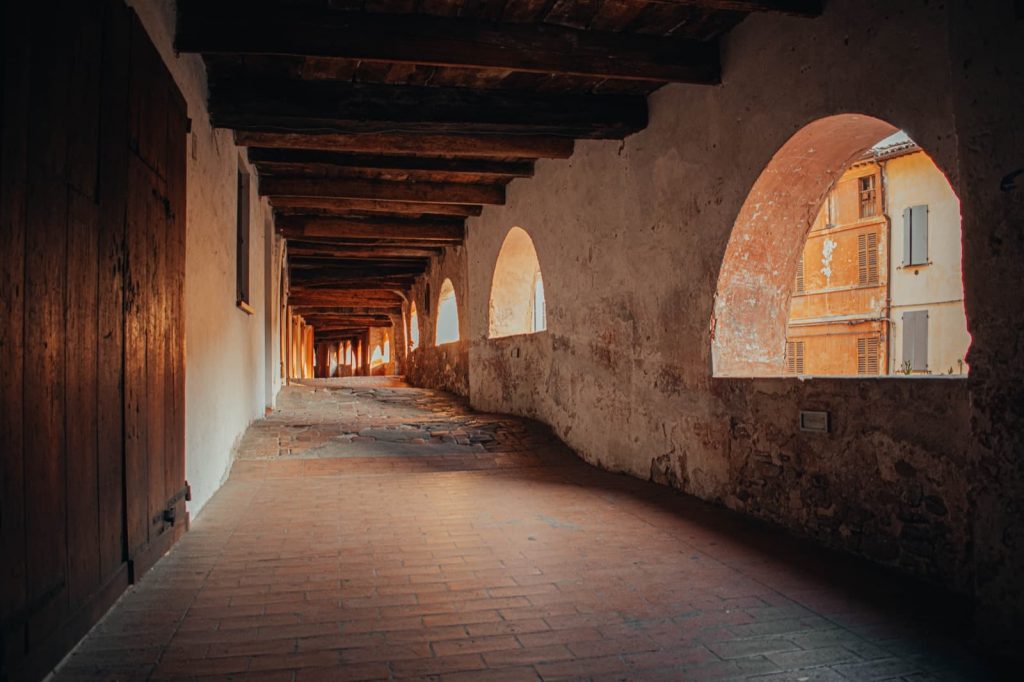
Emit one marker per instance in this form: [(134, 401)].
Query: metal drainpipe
[(887, 320)]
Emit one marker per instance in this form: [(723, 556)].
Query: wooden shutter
[(867, 355), (867, 258), (800, 274), (908, 228), (794, 357), (915, 235), (915, 340), (919, 235)]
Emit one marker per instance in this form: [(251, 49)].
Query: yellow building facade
[(879, 289)]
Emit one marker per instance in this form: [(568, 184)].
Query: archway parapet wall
[(446, 366)]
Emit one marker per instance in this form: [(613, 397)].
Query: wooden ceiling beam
[(261, 104), (346, 188), (332, 324), (304, 205), (316, 276), (349, 310), (800, 8), (297, 227), (300, 296), (283, 161), (391, 283), (372, 252), (236, 28), (455, 145)]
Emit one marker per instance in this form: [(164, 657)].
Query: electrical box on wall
[(814, 421)]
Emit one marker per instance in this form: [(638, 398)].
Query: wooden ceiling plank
[(375, 252), (303, 205), (295, 227), (799, 8), (267, 105), (234, 28), (276, 158), (456, 145), (347, 188)]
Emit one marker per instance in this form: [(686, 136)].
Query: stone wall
[(918, 474), (226, 384), (447, 366)]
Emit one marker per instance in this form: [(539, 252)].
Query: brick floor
[(373, 531)]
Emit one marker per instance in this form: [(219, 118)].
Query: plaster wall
[(225, 361), (937, 287), (630, 235)]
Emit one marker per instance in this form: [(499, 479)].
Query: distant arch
[(377, 358), (387, 349), (517, 288), (447, 315)]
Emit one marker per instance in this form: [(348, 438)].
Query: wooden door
[(92, 205)]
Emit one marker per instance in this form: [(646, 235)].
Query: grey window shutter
[(907, 229), (915, 339), (919, 234), (921, 342)]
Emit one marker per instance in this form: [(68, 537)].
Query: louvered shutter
[(919, 235), (867, 258), (915, 339), (908, 229), (794, 357), (915, 235)]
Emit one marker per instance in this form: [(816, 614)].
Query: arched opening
[(845, 260), (377, 357), (414, 328), (517, 290), (447, 315), (387, 349)]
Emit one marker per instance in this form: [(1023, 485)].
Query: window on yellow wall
[(868, 196), (794, 357), (867, 355), (867, 258)]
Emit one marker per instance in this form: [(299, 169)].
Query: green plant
[(907, 367)]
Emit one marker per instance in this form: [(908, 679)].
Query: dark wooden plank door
[(92, 257), (154, 361)]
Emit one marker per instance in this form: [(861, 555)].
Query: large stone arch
[(755, 281)]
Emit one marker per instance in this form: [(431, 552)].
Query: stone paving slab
[(365, 535)]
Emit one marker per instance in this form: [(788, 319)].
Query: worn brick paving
[(482, 549)]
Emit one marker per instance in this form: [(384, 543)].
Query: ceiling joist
[(446, 145), (293, 161), (443, 42), (261, 105), (347, 188), (339, 206), (297, 227)]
